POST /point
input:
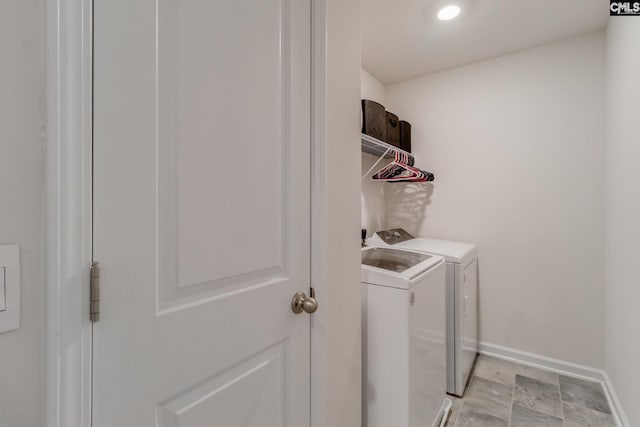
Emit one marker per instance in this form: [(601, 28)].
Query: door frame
[(69, 211)]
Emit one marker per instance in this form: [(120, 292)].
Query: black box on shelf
[(405, 136), (374, 119), (393, 130)]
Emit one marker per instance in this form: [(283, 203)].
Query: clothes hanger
[(390, 170), (424, 177), (398, 170), (401, 170)]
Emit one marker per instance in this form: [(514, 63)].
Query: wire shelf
[(378, 148)]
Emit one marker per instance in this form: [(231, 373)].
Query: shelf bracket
[(375, 164)]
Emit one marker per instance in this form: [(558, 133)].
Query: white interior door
[(201, 212)]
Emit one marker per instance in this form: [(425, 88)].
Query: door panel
[(258, 380), (201, 212), (224, 117)]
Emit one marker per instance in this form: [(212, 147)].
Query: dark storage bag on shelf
[(374, 119), (393, 130), (405, 136)]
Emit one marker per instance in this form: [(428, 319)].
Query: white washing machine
[(403, 339), (462, 298)]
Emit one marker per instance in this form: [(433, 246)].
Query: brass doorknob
[(302, 302)]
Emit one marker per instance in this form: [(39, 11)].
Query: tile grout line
[(513, 392), (561, 402), (561, 417)]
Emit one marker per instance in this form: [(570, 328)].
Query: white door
[(201, 212)]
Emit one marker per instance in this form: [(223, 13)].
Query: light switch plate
[(10, 263)]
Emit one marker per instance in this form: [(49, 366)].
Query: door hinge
[(94, 292)]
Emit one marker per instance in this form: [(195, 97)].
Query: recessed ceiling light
[(448, 12)]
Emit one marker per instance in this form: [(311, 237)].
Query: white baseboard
[(538, 361), (561, 367), (614, 402)]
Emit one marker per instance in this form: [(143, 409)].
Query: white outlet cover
[(10, 261)]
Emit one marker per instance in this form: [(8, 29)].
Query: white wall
[(623, 213), (372, 198), (371, 88), (340, 271), (517, 144), (22, 179)]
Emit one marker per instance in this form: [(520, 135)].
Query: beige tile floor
[(505, 394)]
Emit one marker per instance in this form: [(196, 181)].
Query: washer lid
[(392, 260), (457, 252), (397, 268)]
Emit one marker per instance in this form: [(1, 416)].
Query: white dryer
[(403, 339), (462, 298)]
